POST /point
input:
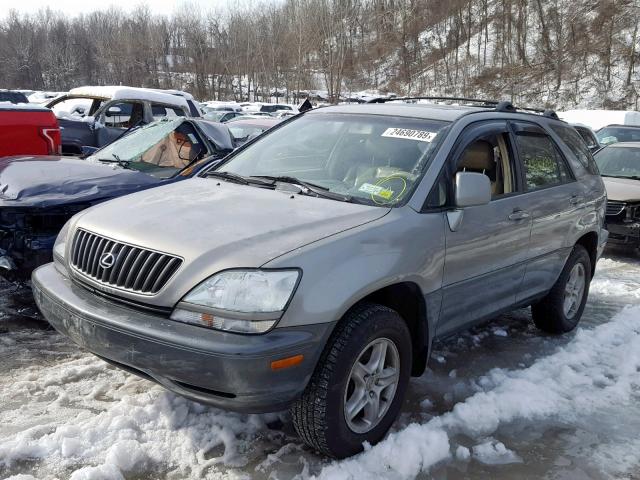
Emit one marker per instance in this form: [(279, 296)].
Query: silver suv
[(314, 267)]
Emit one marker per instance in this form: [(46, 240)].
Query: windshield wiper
[(116, 159), (232, 177), (307, 187), (632, 177)]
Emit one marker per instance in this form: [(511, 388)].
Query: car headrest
[(478, 156)]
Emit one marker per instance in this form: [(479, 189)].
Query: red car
[(28, 130)]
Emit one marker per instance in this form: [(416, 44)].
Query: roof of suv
[(130, 93)]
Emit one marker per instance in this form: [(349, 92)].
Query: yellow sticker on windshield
[(376, 190)]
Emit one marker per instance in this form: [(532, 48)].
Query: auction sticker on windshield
[(409, 134), (376, 190)]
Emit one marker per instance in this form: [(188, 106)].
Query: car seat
[(479, 157)]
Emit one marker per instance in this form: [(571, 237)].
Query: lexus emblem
[(107, 260)]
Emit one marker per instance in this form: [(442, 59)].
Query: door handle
[(576, 199), (519, 215)]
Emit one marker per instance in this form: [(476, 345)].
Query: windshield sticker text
[(409, 134), (376, 190)]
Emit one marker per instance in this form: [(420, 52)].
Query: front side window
[(543, 165), (123, 114), (373, 159), (490, 155), (619, 161)]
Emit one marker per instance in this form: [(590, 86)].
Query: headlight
[(245, 301)]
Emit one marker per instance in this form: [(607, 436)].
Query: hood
[(49, 180), (216, 225), (622, 189)]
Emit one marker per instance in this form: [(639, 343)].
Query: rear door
[(553, 198), (486, 251)]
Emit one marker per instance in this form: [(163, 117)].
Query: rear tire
[(561, 309), (367, 361)]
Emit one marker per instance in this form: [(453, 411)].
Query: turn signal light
[(287, 362)]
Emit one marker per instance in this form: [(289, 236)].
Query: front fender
[(341, 270)]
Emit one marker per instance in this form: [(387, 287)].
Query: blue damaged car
[(38, 194)]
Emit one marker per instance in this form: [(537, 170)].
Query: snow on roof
[(596, 119), (22, 106), (180, 93), (129, 93)]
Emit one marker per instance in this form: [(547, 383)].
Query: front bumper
[(227, 370), (624, 233)]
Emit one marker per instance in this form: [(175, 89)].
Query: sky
[(74, 7)]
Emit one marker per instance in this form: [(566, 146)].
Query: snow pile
[(66, 414), (492, 452), (598, 368), (143, 427)]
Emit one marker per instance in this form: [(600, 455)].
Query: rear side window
[(13, 97), (543, 165), (574, 141), (588, 136), (161, 111)]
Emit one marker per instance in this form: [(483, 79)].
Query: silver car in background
[(314, 268)]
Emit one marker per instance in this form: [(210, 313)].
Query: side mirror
[(87, 151), (472, 189), (111, 111)]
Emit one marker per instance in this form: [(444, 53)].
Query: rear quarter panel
[(20, 131)]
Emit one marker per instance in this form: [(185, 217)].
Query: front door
[(116, 118), (486, 249)]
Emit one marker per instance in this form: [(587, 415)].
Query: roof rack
[(481, 102), (503, 106)]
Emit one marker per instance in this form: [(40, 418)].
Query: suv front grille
[(614, 208), (131, 268)]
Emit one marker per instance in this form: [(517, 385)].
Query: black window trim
[(564, 145), (475, 130), (543, 133)]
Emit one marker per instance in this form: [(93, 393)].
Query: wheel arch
[(590, 243), (407, 300)]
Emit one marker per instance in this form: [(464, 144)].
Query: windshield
[(215, 116), (609, 135), (242, 132), (619, 161), (375, 159), (160, 149)]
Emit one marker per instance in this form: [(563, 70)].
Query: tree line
[(557, 53)]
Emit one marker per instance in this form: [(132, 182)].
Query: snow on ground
[(501, 401)]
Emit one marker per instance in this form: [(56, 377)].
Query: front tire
[(359, 384), (561, 309)]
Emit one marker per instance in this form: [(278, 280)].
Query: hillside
[(560, 53)]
